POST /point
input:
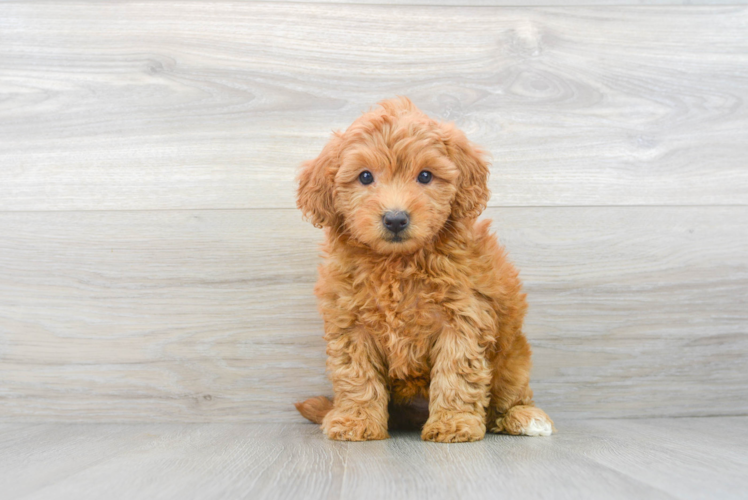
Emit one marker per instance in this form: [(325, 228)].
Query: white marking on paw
[(538, 427)]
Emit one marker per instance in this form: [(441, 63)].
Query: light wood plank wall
[(153, 266)]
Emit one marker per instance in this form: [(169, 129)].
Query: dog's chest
[(400, 309)]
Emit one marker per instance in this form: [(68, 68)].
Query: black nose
[(396, 221)]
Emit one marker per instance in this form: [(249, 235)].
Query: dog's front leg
[(360, 406), (459, 390)]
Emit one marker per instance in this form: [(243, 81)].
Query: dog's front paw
[(350, 426), (454, 427)]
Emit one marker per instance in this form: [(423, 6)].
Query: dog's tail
[(314, 409)]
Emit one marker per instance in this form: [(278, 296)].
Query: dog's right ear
[(315, 197)]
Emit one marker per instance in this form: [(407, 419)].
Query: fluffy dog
[(417, 296)]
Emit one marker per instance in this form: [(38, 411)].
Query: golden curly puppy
[(417, 297)]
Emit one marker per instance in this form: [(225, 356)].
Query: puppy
[(417, 297)]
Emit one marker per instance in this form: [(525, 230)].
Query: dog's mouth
[(395, 238), (390, 242)]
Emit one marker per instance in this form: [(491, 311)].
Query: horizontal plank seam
[(24, 420), (697, 205), (645, 417), (303, 424), (571, 6)]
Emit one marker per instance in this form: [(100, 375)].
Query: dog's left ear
[(472, 186), (315, 196)]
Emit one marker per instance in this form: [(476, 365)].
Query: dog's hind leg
[(512, 410)]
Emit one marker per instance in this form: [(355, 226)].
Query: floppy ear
[(472, 186), (316, 181)]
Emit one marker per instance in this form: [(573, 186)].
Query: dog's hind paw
[(524, 420)]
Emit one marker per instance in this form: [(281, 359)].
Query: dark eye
[(424, 177), (365, 177)]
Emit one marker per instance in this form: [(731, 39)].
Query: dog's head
[(394, 179)]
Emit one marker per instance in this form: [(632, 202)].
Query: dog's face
[(394, 179), (395, 185)]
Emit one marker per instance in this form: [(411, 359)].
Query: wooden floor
[(614, 458)]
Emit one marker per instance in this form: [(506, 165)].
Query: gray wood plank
[(497, 467), (670, 456), (12, 432), (613, 458), (209, 315), (484, 3), (44, 454), (174, 461), (636, 377), (117, 105), (529, 3)]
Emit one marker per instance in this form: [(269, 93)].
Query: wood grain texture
[(647, 458), (531, 3), (198, 105), (478, 3), (209, 315), (497, 467), (171, 461), (669, 466)]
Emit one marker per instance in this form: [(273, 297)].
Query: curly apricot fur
[(436, 313)]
